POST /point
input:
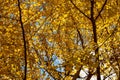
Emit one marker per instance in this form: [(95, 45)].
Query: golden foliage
[(63, 28)]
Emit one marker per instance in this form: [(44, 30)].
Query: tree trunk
[(95, 37), (96, 51)]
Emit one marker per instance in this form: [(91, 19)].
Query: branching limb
[(108, 76), (101, 9), (79, 9)]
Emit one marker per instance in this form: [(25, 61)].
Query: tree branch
[(47, 72), (77, 74), (92, 10), (81, 39), (89, 76), (108, 37), (79, 9), (95, 38), (108, 76), (101, 10), (24, 41)]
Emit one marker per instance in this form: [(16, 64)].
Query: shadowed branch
[(79, 9), (24, 41), (101, 9)]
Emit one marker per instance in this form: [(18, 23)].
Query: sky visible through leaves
[(59, 39)]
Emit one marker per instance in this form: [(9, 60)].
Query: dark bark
[(24, 41), (89, 76), (93, 21), (95, 37), (101, 9), (79, 9), (77, 74), (81, 39)]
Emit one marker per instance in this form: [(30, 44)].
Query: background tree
[(60, 40)]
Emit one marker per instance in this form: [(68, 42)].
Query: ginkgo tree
[(60, 39)]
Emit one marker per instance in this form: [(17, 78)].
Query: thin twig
[(107, 37), (79, 9), (81, 39), (101, 10)]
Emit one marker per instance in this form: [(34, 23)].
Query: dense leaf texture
[(60, 39)]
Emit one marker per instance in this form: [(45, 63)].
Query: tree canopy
[(60, 39)]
